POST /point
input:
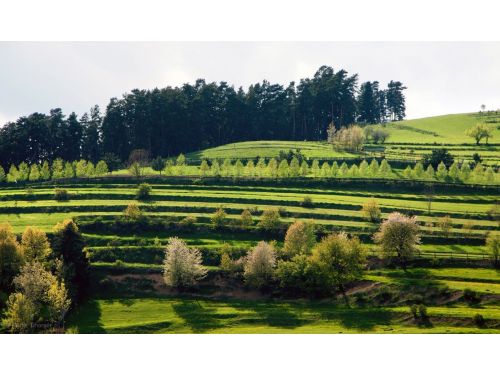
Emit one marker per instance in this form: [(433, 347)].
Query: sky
[(441, 77)]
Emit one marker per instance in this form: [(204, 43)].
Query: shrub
[(219, 218), (226, 263), (246, 219), (61, 195), (479, 320), (143, 192), (307, 202), (188, 223), (270, 220), (414, 310), (445, 224), (297, 274), (471, 296), (422, 311), (371, 211), (132, 212)]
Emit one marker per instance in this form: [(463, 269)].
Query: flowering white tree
[(399, 235), (259, 264), (182, 266)]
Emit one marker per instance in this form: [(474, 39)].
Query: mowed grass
[(187, 315), (476, 279), (447, 129), (269, 149)]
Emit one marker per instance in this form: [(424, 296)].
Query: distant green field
[(447, 129), (422, 134)]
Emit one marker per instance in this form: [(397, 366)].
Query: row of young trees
[(44, 278), (284, 169), (195, 116), (58, 170), (456, 172)]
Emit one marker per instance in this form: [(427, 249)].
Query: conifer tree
[(374, 167), (283, 170), (24, 172), (304, 168), (335, 169), (58, 169), (442, 172), (418, 171), (325, 169), (250, 169), (344, 170), (315, 168), (45, 171), (204, 168), (34, 173)]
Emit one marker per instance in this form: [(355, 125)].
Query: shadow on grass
[(414, 279), (141, 328), (86, 318), (198, 317), (202, 319), (273, 315), (360, 319)]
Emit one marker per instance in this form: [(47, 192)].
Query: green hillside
[(408, 140), (269, 149), (446, 129)]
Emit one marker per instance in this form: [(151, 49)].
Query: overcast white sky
[(442, 77)]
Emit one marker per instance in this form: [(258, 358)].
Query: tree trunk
[(346, 299)]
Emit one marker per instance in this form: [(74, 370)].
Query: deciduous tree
[(182, 266), (399, 235)]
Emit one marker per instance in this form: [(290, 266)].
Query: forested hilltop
[(171, 120)]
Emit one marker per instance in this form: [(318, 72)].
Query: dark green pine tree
[(396, 101)]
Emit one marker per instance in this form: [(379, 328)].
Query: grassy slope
[(268, 149), (448, 129), (429, 131)]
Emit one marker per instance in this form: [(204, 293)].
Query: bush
[(219, 218), (307, 202), (143, 192), (414, 311), (479, 320), (371, 211), (61, 195), (422, 311), (270, 220), (132, 212), (471, 296), (188, 223)]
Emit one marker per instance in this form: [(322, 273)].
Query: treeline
[(171, 120)]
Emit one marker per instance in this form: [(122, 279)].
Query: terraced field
[(452, 273)]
